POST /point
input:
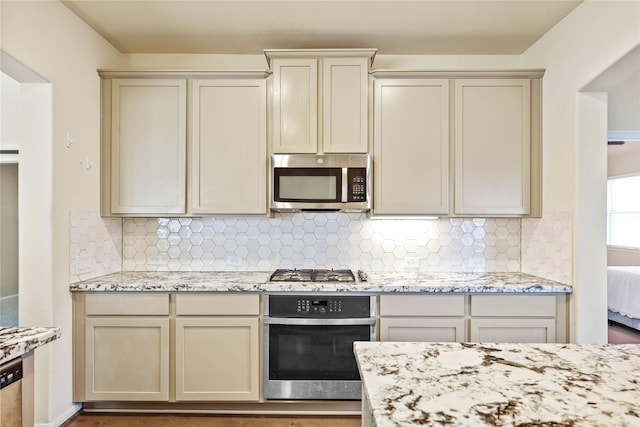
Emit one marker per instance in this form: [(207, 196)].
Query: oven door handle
[(320, 322)]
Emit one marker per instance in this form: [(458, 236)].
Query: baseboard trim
[(74, 409)]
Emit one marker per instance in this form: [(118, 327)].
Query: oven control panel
[(318, 306)]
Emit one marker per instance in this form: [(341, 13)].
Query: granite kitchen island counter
[(15, 342), (472, 384), (378, 282)]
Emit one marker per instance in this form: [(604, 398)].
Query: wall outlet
[(154, 259), (84, 265), (411, 263), (477, 262), (234, 261)]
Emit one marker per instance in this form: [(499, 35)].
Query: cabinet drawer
[(513, 330), (422, 305), (194, 304), (422, 329), (513, 305), (127, 303)]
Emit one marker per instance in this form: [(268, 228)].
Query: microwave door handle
[(345, 184)]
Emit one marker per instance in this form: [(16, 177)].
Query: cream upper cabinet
[(147, 131), (411, 146), (295, 105), (492, 147), (146, 156), (345, 105), (228, 146), (320, 100)]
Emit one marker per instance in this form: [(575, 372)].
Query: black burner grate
[(309, 275)]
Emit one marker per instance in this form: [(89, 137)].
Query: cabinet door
[(345, 105), (127, 358), (513, 330), (295, 105), (229, 149), (411, 146), (217, 359), (148, 146), (421, 329), (492, 146)]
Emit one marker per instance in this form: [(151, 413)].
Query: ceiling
[(392, 26)]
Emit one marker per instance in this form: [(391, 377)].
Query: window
[(623, 212)]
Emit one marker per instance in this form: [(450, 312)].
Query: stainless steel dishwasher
[(11, 393)]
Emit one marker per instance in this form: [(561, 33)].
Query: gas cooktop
[(314, 275)]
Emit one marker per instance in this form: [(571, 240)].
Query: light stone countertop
[(16, 341), (378, 282), (473, 384)]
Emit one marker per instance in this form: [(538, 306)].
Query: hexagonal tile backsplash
[(325, 240), (331, 240)]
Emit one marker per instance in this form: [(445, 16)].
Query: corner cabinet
[(411, 146), (320, 100), (144, 146), (147, 131)]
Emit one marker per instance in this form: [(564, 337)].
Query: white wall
[(582, 46), (50, 40), (624, 104), (9, 111)]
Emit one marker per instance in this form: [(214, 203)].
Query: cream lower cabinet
[(217, 347), (126, 347), (139, 346), (516, 318), (422, 318)]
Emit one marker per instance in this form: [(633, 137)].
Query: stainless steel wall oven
[(308, 345)]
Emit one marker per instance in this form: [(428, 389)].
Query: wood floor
[(121, 420)]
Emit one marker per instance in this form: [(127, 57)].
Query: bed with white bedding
[(623, 295)]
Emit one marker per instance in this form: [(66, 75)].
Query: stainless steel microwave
[(320, 182)]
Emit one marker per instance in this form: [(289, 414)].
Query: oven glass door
[(314, 352), (320, 185)]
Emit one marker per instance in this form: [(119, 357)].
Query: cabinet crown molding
[(448, 74), (320, 53), (183, 74)]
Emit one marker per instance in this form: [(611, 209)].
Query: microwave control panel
[(357, 185)]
